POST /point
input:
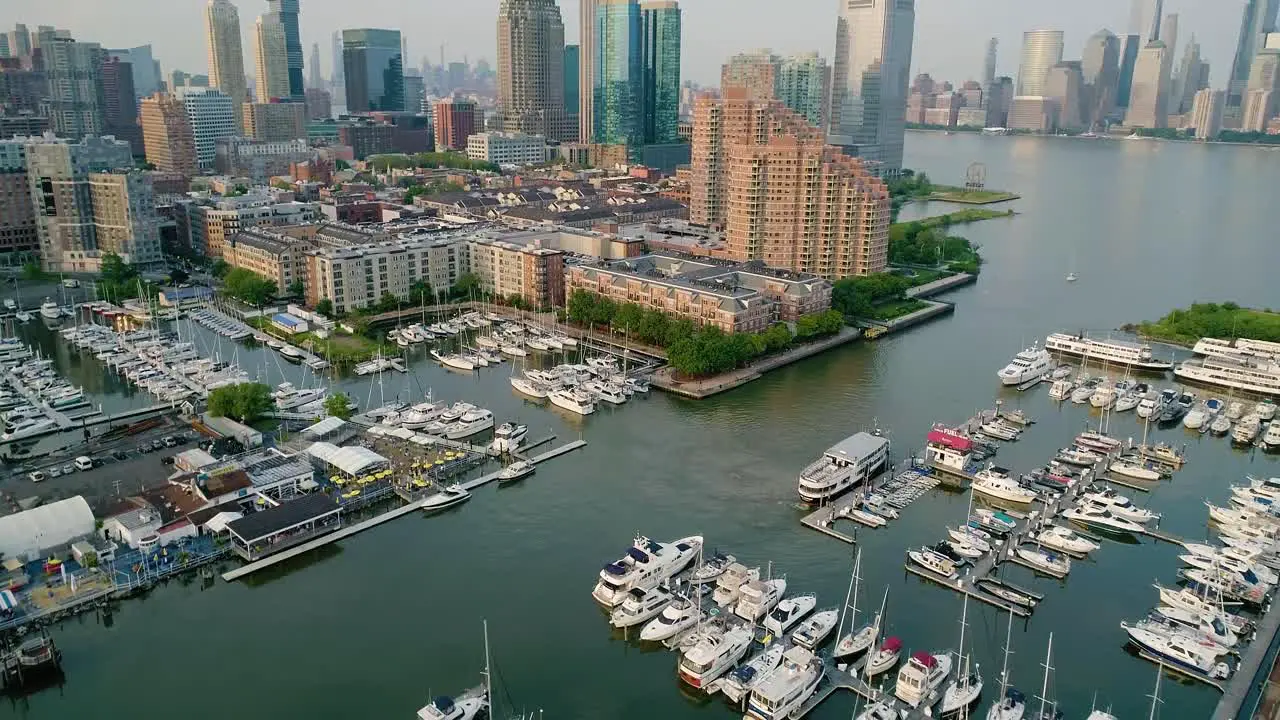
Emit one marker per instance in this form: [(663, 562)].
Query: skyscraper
[(1144, 19), (572, 63), (226, 55), (1130, 45), (273, 61), (120, 104), (167, 135), (1169, 36), (146, 71), (1262, 95), (586, 69), (337, 77), (1065, 84), (1149, 101), (870, 78), (804, 81), (1100, 66), (74, 70), (1259, 18), (1186, 82), (989, 63), (1206, 113), (313, 73), (530, 65), (660, 49), (212, 115), (758, 72), (286, 12), (373, 69), (19, 41), (1041, 50), (618, 92)]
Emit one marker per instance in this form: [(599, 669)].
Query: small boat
[(994, 521), (516, 471), (816, 629), (933, 561), (758, 597), (1066, 540), (994, 482), (1085, 390), (23, 317), (641, 606), (1128, 401), (1006, 593), (712, 568), (1078, 457), (1061, 389), (999, 431), (446, 498), (1063, 371), (681, 614), (1100, 518), (1178, 650), (1163, 453), (1072, 277), (1017, 417), (864, 517), (1045, 560), (971, 537), (884, 658), (923, 674), (789, 612), (447, 708), (1098, 442), (964, 549), (509, 436)]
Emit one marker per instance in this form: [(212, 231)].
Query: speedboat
[(759, 597), (786, 688), (711, 568), (1179, 650), (884, 658), (446, 498), (1099, 517), (923, 674), (646, 564), (1121, 506), (1085, 390), (816, 629), (738, 684), (678, 616), (641, 606), (1044, 560), (447, 708), (995, 482), (509, 436), (516, 471), (714, 655), (1133, 470), (1030, 364), (729, 585), (789, 612), (933, 561), (1066, 540)]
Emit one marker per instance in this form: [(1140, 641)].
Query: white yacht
[(1030, 364), (1179, 650), (1120, 506), (530, 388), (419, 416), (923, 674), (714, 655), (758, 597), (816, 629), (789, 612), (471, 423), (1133, 470), (680, 615), (1100, 518), (1241, 347), (1104, 397), (509, 436), (1271, 438), (1066, 540), (846, 464), (1244, 374), (575, 401), (933, 561), (738, 684), (447, 708), (729, 585), (288, 397), (1112, 352), (1045, 560), (787, 687), (457, 362), (1246, 431), (641, 606), (1061, 389), (995, 482), (645, 565), (49, 310)]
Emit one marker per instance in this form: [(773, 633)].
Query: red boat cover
[(925, 659), (955, 442), (892, 644)]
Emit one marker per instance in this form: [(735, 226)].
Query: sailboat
[(1048, 711), (854, 642), (1012, 704), (468, 705), (967, 685)]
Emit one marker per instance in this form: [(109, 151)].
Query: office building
[(374, 70), (572, 62), (274, 122), (1259, 18), (804, 83), (313, 72), (1206, 113), (660, 64), (1100, 65), (212, 115), (273, 59), (531, 67), (503, 148), (366, 138), (338, 79), (989, 63), (1065, 84), (1264, 73), (120, 104), (1130, 45), (19, 41), (226, 54), (74, 70), (146, 71), (870, 77), (618, 93), (1034, 113), (586, 69), (454, 120), (782, 195), (319, 104), (1149, 99), (1258, 110), (415, 91), (17, 213), (1186, 82), (1041, 50), (167, 136), (286, 15)]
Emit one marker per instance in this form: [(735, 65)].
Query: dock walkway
[(536, 459)]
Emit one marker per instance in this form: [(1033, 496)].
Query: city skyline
[(949, 42)]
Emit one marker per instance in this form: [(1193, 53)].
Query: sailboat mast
[(1044, 688), (964, 618), (1004, 672), (488, 675), (1155, 695), (847, 595)]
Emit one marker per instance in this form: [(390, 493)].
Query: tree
[(420, 291), (340, 164), (244, 401), (32, 271), (177, 276), (248, 286), (338, 406), (114, 269), (220, 269), (389, 302), (467, 285), (296, 288), (325, 307)]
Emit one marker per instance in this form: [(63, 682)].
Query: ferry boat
[(645, 565), (1031, 364), (921, 676), (948, 451), (1112, 352), (850, 462), (1237, 373), (1241, 347), (787, 687)]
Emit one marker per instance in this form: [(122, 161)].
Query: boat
[(846, 464), (758, 597), (1270, 440), (1246, 374), (1100, 518), (645, 564), (1066, 540), (513, 350), (376, 365), (965, 688), (1006, 593), (575, 401), (289, 352), (49, 310), (884, 658), (738, 684), (22, 316), (1112, 352), (730, 583), (711, 569), (1232, 564), (1104, 397), (994, 521), (530, 388), (641, 606), (1210, 629), (1178, 650), (516, 471), (1030, 364), (446, 498), (789, 612), (1085, 390), (680, 615), (509, 436), (816, 629), (1246, 431), (447, 708), (288, 397), (1012, 704), (855, 641), (933, 561), (1120, 506), (923, 674), (1098, 442), (994, 482), (471, 423), (971, 537), (714, 655), (1000, 431), (1079, 457), (1072, 277), (787, 686), (1163, 453), (964, 549), (1061, 389), (1045, 561)]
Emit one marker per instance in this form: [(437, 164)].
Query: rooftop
[(859, 445), (282, 517)]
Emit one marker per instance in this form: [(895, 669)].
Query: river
[(377, 625)]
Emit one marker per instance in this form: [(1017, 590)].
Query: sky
[(951, 35)]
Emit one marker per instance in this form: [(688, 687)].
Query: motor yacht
[(971, 536), (846, 464), (1066, 540), (1099, 517), (923, 674), (608, 392), (49, 310), (1043, 560), (27, 427), (1104, 397), (1246, 431), (758, 597), (1030, 364), (709, 570), (575, 401), (934, 561), (995, 482), (789, 612), (738, 684), (1189, 600), (714, 655), (1133, 470), (813, 631), (516, 471), (1173, 414), (680, 615), (1085, 390), (509, 437), (646, 564), (1178, 650), (1061, 389), (729, 585), (471, 423), (641, 606), (447, 708), (1271, 438), (787, 686), (446, 498), (288, 397), (530, 388)]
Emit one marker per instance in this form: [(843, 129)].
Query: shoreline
[(1188, 141)]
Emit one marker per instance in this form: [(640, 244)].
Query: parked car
[(120, 455), (84, 462), (36, 476), (144, 448), (68, 468), (157, 444), (54, 472), (170, 441)]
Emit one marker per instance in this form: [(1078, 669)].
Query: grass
[(896, 309), (339, 348), (1226, 321), (974, 197)]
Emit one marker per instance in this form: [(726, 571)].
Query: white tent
[(218, 523), (350, 460), (402, 433), (31, 532), (420, 439)]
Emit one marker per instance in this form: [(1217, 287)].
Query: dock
[(824, 518), (536, 459)]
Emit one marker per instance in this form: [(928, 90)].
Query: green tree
[(420, 292), (220, 269), (244, 401), (389, 302), (340, 164), (33, 272), (325, 307), (338, 406), (177, 276), (296, 288), (114, 269), (248, 286), (468, 284)]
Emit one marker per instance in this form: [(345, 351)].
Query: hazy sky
[(950, 34)]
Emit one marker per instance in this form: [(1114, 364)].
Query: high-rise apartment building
[(1259, 18), (1149, 101), (1258, 106), (212, 115), (660, 63), (74, 70), (146, 71), (586, 69), (756, 71), (454, 122), (273, 59), (1041, 50), (1263, 91), (17, 213), (572, 69), (274, 122), (374, 69), (1100, 65), (531, 67), (1206, 113), (618, 93), (286, 14), (870, 78), (226, 54), (989, 63), (804, 83), (119, 104), (781, 194)]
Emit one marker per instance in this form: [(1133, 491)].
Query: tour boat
[(789, 612), (1112, 352), (1178, 650), (1250, 375), (681, 614), (738, 684), (995, 482), (786, 688), (1066, 540), (49, 310), (816, 629), (646, 564), (934, 562), (509, 436), (640, 606), (574, 401), (758, 597), (923, 674), (850, 462), (1030, 364), (714, 656)]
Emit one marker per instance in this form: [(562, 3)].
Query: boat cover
[(951, 440), (924, 658), (615, 569), (744, 674), (637, 554), (1015, 695), (892, 644), (444, 704)]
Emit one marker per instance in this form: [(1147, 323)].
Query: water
[(375, 626)]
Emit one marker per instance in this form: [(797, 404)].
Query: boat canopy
[(924, 658), (637, 554), (744, 674), (444, 704), (951, 440), (893, 644), (615, 569)]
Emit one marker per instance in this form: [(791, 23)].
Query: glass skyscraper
[(374, 70), (287, 14), (660, 44), (617, 74)]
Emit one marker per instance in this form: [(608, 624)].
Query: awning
[(351, 460)]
